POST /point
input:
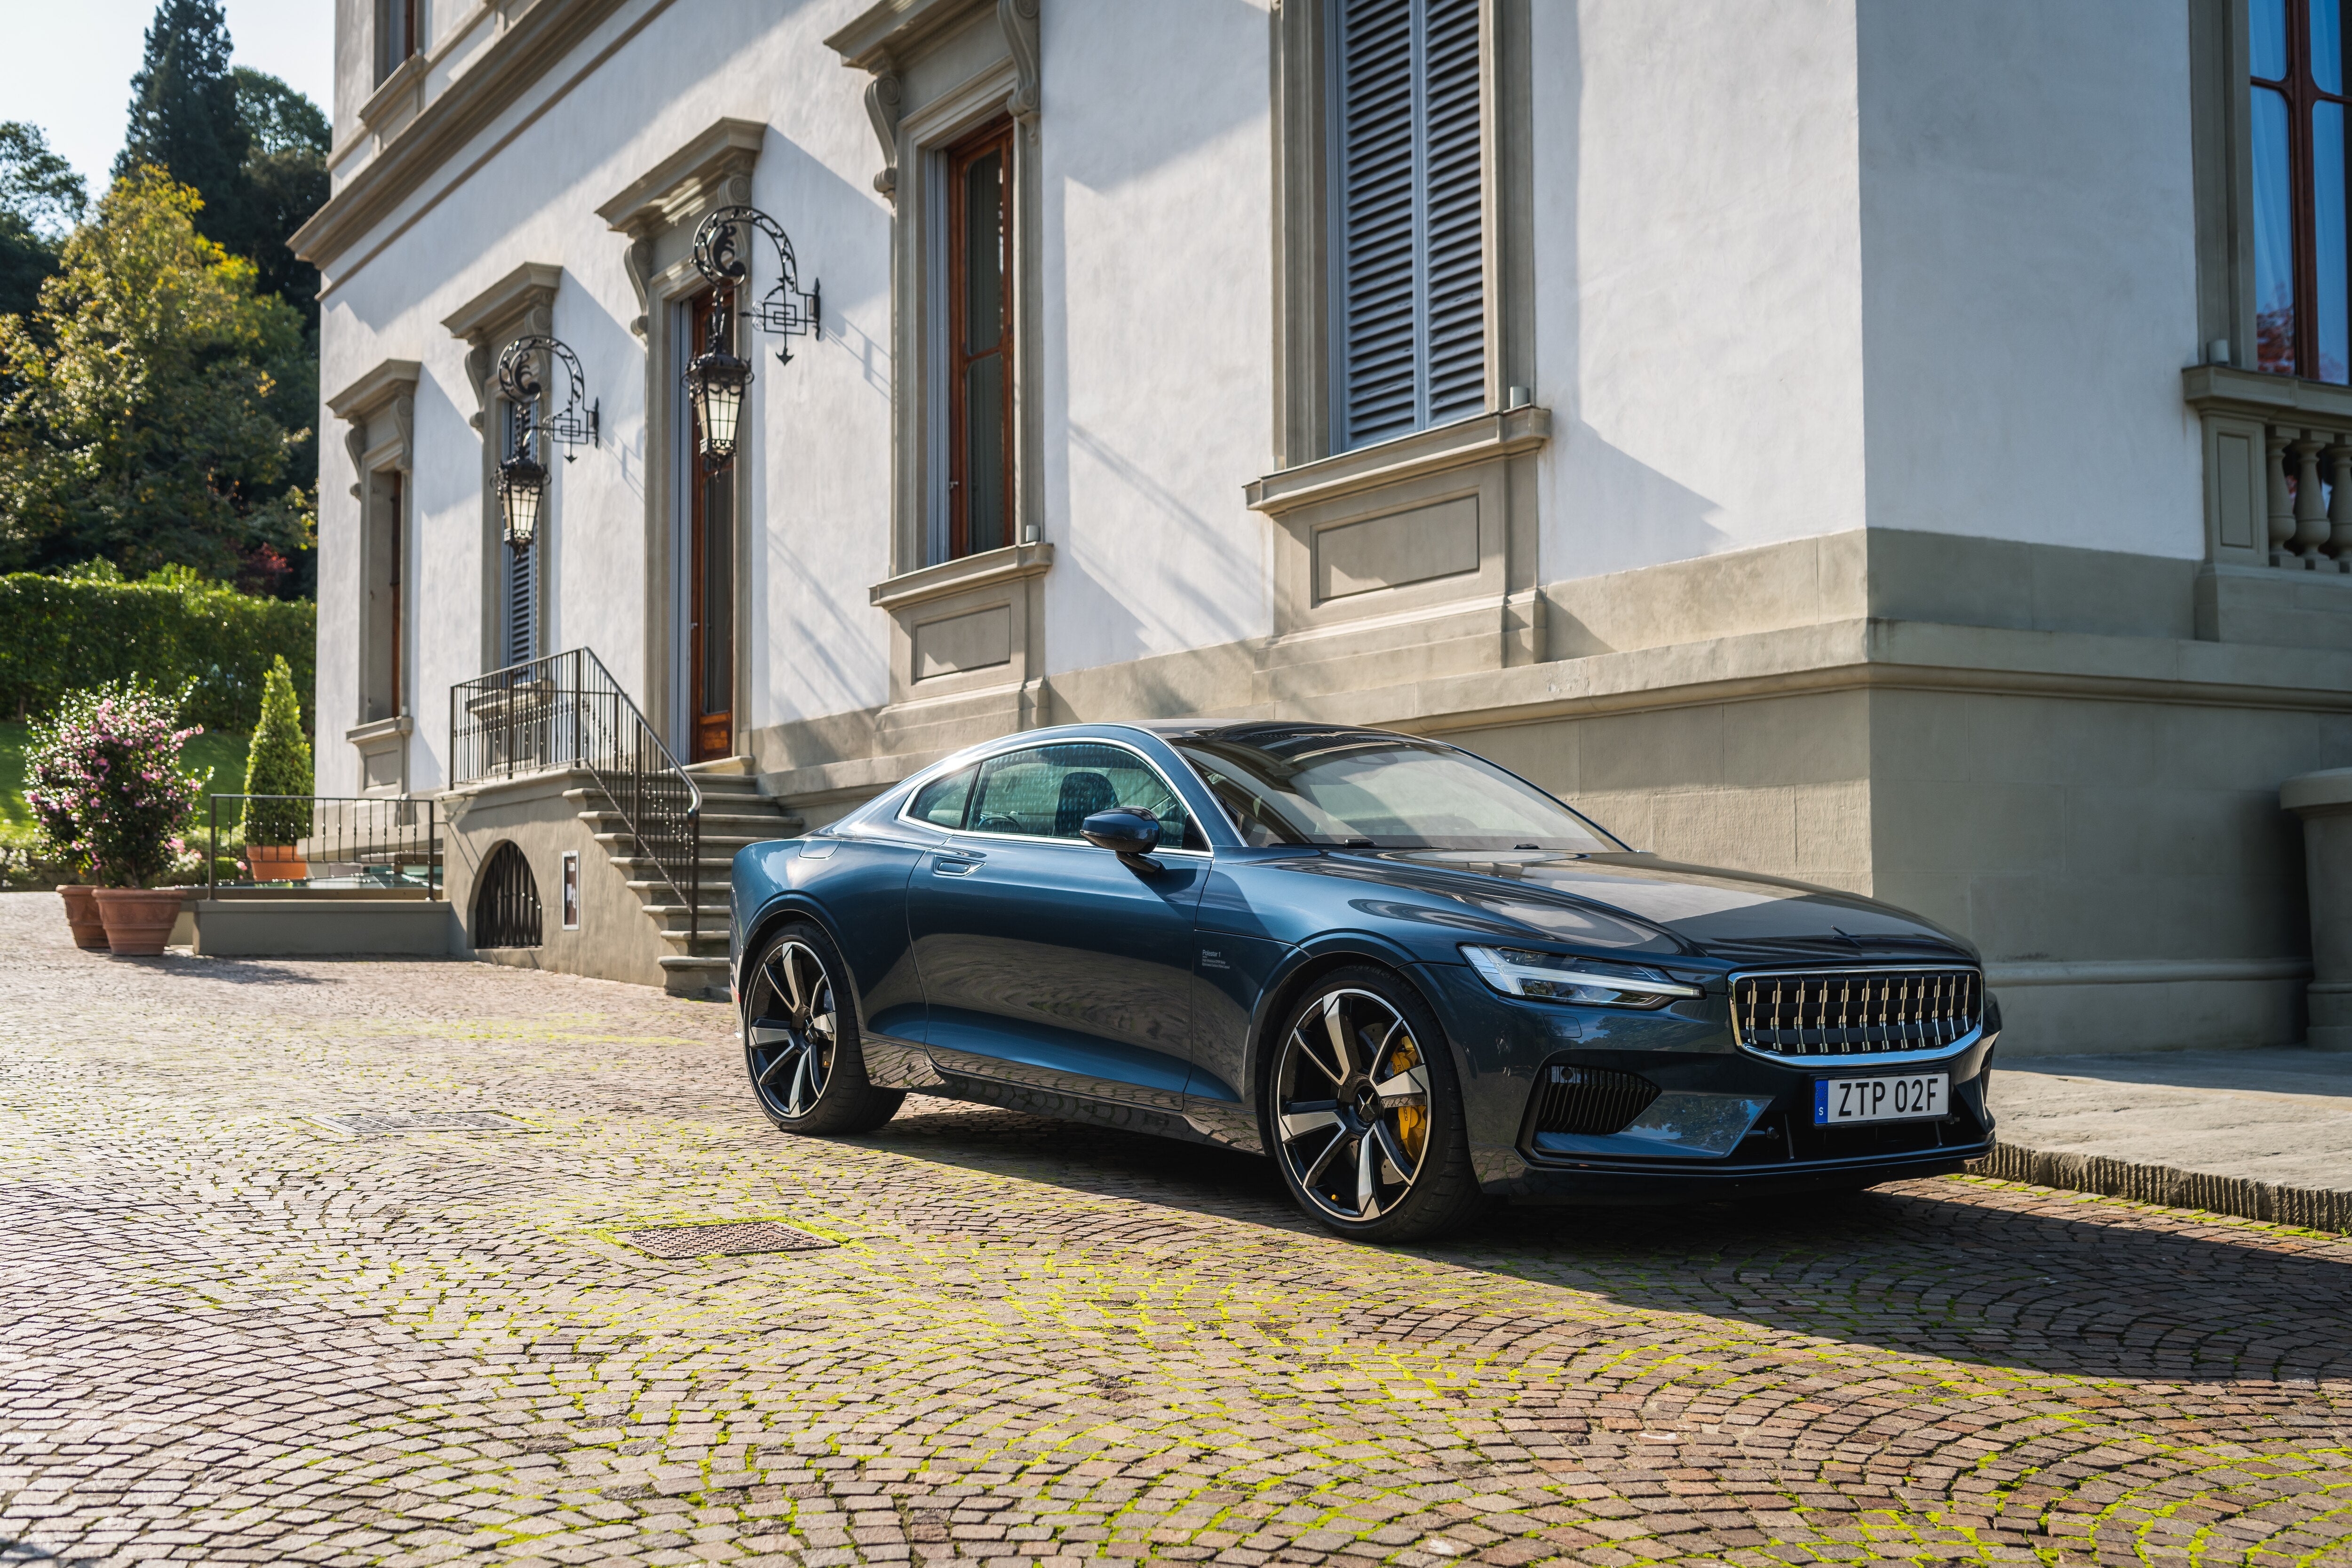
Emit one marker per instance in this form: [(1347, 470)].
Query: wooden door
[(711, 593)]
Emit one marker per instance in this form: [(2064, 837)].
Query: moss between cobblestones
[(1036, 1336)]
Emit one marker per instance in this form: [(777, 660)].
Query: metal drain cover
[(704, 1240), (368, 1123)]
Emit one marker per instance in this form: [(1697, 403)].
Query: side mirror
[(1123, 830)]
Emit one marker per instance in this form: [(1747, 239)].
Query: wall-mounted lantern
[(717, 376), (523, 368)]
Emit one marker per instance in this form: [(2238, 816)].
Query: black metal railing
[(566, 710), (327, 841)]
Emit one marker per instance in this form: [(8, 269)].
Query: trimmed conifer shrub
[(277, 762)]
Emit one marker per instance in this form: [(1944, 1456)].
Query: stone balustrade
[(2308, 483)]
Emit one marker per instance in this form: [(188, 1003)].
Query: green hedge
[(60, 634)]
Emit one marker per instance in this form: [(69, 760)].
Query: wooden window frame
[(2302, 94), (397, 545), (400, 38), (998, 138)]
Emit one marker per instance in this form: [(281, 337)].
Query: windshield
[(1369, 789)]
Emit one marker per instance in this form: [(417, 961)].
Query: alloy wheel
[(790, 1035), (1352, 1093)]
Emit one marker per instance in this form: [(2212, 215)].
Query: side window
[(1047, 792), (940, 802)]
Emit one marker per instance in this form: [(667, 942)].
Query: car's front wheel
[(1363, 1112), (800, 1039)]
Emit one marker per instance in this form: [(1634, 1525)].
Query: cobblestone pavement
[(233, 1333)]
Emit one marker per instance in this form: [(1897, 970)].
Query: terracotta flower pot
[(81, 914), (139, 920), (276, 863)]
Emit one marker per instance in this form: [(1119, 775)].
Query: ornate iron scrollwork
[(524, 382), (786, 310)]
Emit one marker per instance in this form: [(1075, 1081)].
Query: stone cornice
[(882, 34), (529, 286), (1431, 451), (688, 180), (390, 379), (536, 41)]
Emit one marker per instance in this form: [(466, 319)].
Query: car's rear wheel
[(800, 1039), (1363, 1113)]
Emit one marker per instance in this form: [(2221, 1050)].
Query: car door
[(1046, 962)]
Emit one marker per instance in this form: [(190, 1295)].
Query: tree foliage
[(184, 118), (40, 199), (284, 182), (155, 401), (278, 763)]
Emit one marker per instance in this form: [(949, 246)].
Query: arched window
[(506, 901)]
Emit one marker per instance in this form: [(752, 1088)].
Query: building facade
[(1893, 446)]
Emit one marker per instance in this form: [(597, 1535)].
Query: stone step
[(711, 843), (735, 829), (722, 767)]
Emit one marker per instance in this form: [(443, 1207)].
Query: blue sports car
[(1416, 981)]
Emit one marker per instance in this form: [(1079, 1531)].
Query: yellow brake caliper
[(1412, 1120)]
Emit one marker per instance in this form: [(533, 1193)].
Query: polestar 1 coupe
[(1417, 982)]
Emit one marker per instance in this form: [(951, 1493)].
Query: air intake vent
[(1856, 1014), (1590, 1099)]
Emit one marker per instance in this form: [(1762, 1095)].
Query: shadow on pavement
[(1941, 1267)]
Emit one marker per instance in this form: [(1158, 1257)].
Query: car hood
[(1639, 904)]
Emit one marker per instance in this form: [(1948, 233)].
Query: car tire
[(1363, 1114), (800, 1039)]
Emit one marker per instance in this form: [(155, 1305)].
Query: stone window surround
[(380, 409), (1439, 525), (523, 301), (976, 624), (657, 212)]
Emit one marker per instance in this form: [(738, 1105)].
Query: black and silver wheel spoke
[(1352, 1092), (789, 1035)]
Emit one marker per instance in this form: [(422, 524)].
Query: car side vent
[(1856, 1014), (1590, 1099)]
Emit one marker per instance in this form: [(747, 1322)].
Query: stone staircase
[(734, 813)]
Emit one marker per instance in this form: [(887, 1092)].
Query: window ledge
[(2227, 389), (1005, 565), (396, 92), (380, 730), (1433, 451)]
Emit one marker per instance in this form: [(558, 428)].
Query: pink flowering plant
[(104, 782)]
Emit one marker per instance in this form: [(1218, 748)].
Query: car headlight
[(1554, 977)]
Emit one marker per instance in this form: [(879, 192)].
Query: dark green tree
[(286, 181), (40, 199), (184, 118)]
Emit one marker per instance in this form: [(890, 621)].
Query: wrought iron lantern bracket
[(522, 476), (525, 385), (786, 310)]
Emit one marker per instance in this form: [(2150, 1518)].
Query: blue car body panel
[(1061, 977)]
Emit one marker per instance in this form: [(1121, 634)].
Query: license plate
[(1913, 1097)]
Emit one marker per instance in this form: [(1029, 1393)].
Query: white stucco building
[(1852, 439)]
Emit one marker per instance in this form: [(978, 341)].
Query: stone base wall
[(616, 939)]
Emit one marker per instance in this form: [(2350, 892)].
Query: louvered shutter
[(1409, 344), (519, 596), (521, 604)]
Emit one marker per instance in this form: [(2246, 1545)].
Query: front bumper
[(1506, 1045)]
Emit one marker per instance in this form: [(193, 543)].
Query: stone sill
[(379, 730), (2225, 389), (919, 586), (1433, 451)]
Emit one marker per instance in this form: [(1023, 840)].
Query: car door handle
[(946, 867)]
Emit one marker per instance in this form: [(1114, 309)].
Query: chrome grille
[(1859, 1013)]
